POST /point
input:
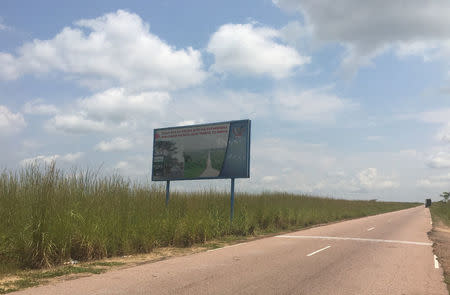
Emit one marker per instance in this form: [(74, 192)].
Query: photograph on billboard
[(207, 151)]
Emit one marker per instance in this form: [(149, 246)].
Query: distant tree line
[(445, 195)]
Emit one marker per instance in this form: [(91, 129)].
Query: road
[(209, 171), (383, 254)]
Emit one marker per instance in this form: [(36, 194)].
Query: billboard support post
[(232, 200), (167, 192), (206, 151)]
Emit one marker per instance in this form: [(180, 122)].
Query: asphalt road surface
[(384, 254)]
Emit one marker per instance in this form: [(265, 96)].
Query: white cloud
[(269, 178), (30, 144), (68, 158), (38, 107), (428, 50), (247, 49), (428, 183), (367, 29), (436, 181), (39, 159), (369, 179), (296, 35), (115, 48), (435, 116), (199, 107), (115, 109), (289, 156), (8, 67), (10, 122), (313, 168), (317, 105), (409, 153), (117, 105), (137, 166), (110, 110), (71, 158), (439, 156), (116, 144), (337, 174), (122, 165), (189, 122), (360, 182), (3, 27), (444, 133), (76, 123), (439, 159)]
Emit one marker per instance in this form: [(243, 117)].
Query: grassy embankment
[(441, 211), (194, 164), (217, 157), (49, 217)]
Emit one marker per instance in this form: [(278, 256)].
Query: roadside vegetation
[(217, 158), (441, 211), (49, 217), (194, 163), (440, 235)]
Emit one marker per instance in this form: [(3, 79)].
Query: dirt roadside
[(440, 235)]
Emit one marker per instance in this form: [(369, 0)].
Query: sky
[(347, 99)]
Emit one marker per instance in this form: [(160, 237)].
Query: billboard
[(207, 151)]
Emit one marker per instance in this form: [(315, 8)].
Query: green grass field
[(194, 163), (217, 158), (441, 210), (49, 217)]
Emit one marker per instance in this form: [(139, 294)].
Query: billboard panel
[(207, 151)]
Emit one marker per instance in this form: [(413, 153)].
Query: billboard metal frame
[(207, 124), (206, 178)]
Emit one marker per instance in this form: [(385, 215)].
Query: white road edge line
[(436, 262), (369, 229), (315, 252), (355, 239)]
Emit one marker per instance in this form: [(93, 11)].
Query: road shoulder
[(440, 235)]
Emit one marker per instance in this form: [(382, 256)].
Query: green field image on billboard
[(204, 163)]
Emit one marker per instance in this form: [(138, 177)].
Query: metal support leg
[(167, 192), (232, 200)]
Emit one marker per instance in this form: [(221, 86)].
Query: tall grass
[(48, 217), (441, 211)]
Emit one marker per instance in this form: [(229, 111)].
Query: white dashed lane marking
[(320, 250)]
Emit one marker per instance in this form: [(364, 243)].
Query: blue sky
[(346, 101)]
